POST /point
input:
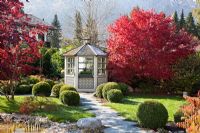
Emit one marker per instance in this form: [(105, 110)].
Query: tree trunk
[(12, 92)]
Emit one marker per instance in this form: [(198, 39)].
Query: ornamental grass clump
[(152, 114)]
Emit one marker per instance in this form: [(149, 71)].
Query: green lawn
[(61, 114), (129, 106)]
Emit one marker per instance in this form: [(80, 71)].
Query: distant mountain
[(166, 6), (65, 9)]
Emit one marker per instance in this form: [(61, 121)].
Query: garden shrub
[(57, 61), (70, 98), (152, 114), (124, 88), (99, 90), (115, 95), (36, 78), (146, 87), (41, 89), (50, 82), (24, 89), (191, 115), (195, 88), (186, 74), (109, 86), (67, 88), (56, 90), (27, 106), (33, 80), (178, 116)]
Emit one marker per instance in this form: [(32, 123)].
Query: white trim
[(65, 70), (76, 72), (95, 72)]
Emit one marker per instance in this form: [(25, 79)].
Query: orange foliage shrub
[(191, 115)]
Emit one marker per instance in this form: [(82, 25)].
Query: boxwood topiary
[(152, 114), (67, 87), (23, 89), (115, 95), (124, 88), (109, 86), (56, 90), (99, 90), (41, 89), (50, 82), (70, 98)]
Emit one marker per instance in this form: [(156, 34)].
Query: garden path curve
[(109, 117)]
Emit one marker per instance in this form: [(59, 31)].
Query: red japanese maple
[(146, 44), (18, 45)]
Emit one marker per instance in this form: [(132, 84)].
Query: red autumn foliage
[(18, 45), (146, 44), (191, 115)]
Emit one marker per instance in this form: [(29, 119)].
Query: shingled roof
[(34, 21), (86, 50)]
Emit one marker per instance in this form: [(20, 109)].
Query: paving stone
[(109, 117)]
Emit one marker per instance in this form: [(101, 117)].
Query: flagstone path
[(110, 119)]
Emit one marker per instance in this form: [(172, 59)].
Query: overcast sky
[(46, 9)]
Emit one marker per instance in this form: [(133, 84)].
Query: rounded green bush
[(152, 114), (41, 89), (109, 86), (23, 89), (115, 96), (50, 82), (56, 90), (124, 88), (33, 80), (99, 90), (67, 88), (178, 116), (70, 98)]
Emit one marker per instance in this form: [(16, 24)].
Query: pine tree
[(78, 28), (190, 25), (56, 35), (176, 19), (182, 20)]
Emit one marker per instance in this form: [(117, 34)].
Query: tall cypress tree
[(182, 20), (190, 25), (78, 35), (56, 34), (176, 19)]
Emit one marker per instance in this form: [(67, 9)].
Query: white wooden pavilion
[(85, 67)]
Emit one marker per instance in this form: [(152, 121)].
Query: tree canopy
[(146, 44), (18, 48)]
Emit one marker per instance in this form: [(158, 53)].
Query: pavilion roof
[(86, 50)]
